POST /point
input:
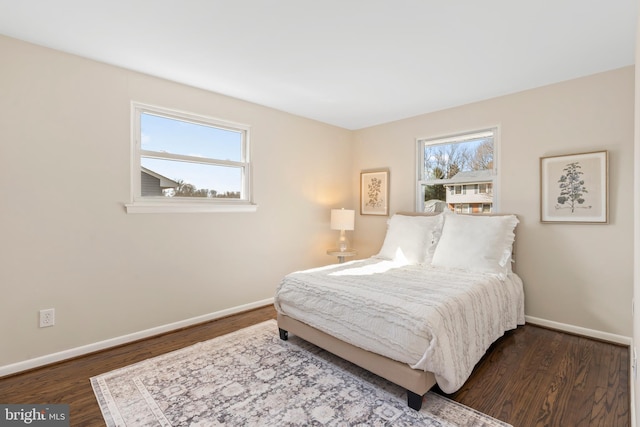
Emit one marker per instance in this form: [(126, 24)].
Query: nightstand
[(342, 254)]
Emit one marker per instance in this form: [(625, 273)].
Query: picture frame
[(374, 192), (574, 188)]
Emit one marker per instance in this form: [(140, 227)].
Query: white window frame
[(451, 138), (139, 204)]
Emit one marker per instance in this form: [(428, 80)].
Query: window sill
[(187, 207)]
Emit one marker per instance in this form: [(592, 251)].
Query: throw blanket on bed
[(434, 320)]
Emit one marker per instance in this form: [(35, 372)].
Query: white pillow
[(411, 239), (481, 244)]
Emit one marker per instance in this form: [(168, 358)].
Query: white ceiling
[(351, 63)]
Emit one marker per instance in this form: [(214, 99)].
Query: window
[(459, 170), (462, 208), (183, 162), (471, 189)]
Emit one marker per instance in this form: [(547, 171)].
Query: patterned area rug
[(252, 378)]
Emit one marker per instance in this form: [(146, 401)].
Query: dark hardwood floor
[(530, 377), (534, 376)]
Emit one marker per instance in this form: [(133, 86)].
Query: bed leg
[(284, 335), (414, 400)]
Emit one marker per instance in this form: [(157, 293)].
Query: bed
[(424, 310)]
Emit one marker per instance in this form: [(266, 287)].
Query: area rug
[(252, 378)]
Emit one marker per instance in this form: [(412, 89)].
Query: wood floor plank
[(578, 393), (561, 390), (608, 396), (530, 377)]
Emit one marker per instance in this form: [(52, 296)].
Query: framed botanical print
[(574, 188), (374, 192)]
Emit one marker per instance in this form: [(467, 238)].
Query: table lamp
[(342, 219)]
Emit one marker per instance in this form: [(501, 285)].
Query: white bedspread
[(434, 320)]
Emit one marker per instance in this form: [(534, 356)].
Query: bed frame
[(416, 382)]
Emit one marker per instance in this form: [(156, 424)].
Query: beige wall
[(579, 275), (67, 242)]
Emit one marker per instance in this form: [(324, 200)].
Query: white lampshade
[(342, 219)]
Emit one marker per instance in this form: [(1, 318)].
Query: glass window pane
[(172, 178), (434, 198), (435, 192), (444, 161), (457, 169), (163, 134)]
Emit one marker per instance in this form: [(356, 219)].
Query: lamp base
[(343, 242)]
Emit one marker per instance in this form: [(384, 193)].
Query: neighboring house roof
[(470, 177), (164, 181)]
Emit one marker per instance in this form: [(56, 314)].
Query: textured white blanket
[(434, 320)]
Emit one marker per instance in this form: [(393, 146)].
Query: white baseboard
[(578, 330), (101, 345)]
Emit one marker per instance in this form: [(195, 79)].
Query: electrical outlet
[(47, 317)]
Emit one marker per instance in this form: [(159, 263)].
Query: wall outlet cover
[(47, 317)]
